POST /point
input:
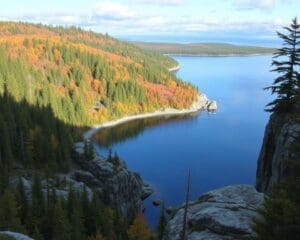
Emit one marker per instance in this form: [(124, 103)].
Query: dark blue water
[(219, 149)]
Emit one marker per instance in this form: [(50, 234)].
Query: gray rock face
[(212, 106), (119, 187), (62, 191), (224, 213), (281, 133)]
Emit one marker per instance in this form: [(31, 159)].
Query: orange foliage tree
[(139, 230)]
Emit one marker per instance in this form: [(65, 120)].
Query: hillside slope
[(55, 81), (86, 77)]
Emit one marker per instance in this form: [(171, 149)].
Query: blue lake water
[(220, 149)]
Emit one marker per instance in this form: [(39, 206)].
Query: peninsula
[(202, 103)]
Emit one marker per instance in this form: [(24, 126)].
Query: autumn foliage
[(139, 229), (86, 77)]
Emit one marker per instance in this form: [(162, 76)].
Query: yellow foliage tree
[(139, 230)]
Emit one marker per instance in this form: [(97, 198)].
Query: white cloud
[(254, 4), (122, 19), (113, 10), (160, 2)]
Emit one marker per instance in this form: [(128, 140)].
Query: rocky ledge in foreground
[(225, 213)]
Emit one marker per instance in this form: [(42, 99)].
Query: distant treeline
[(203, 49)]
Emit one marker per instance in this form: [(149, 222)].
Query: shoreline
[(200, 104), (174, 69)]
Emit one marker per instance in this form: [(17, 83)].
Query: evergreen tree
[(162, 222), (38, 200), (61, 225), (75, 215), (87, 212), (89, 150), (37, 215), (9, 219), (280, 216), (22, 202), (76, 222), (286, 85), (116, 161), (98, 217), (91, 153)]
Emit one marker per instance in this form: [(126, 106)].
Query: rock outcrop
[(224, 213), (118, 187), (282, 131), (212, 106), (15, 235)]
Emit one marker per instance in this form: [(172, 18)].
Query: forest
[(80, 77), (55, 82)]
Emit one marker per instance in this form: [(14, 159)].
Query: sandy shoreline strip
[(201, 104), (174, 69)]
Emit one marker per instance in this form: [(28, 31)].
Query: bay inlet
[(220, 149)]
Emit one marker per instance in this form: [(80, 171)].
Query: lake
[(220, 149)]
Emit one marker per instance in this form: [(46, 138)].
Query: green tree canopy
[(286, 62)]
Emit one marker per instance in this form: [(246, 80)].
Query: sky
[(238, 21)]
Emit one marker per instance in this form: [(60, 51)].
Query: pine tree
[(162, 222), (36, 217), (9, 219), (91, 151), (61, 226), (86, 212), (38, 200), (22, 201), (286, 85), (74, 213)]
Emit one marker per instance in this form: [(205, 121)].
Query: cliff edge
[(282, 132)]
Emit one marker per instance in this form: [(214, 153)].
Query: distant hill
[(215, 49)]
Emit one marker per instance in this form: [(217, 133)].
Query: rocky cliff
[(224, 213), (119, 187), (282, 131)]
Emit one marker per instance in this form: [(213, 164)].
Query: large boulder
[(225, 213)]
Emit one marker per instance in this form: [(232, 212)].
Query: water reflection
[(132, 129)]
